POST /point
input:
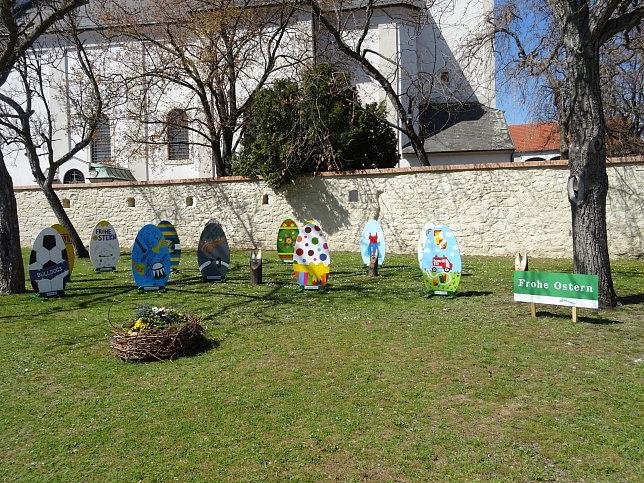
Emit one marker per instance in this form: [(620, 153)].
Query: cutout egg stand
[(156, 253)]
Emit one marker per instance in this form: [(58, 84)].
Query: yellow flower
[(139, 325)]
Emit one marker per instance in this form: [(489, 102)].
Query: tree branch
[(604, 30)]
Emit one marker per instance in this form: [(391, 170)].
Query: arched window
[(177, 125), (101, 147), (73, 176)]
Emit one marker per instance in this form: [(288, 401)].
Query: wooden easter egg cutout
[(286, 237), (68, 245), (422, 237), (441, 262), (373, 238), (174, 245), (311, 259), (150, 259), (213, 254), (48, 264), (104, 247)]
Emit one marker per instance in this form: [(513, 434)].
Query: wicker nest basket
[(170, 343)]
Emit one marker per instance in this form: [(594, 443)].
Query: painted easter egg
[(311, 258), (373, 238), (104, 247), (48, 264), (286, 237), (170, 234), (68, 245), (441, 262), (422, 236), (213, 254), (150, 259)]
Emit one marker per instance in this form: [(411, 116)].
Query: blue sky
[(508, 98), (515, 111)]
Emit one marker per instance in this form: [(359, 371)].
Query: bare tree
[(20, 28), (422, 70), (532, 53), (566, 51), (27, 118), (208, 56), (622, 85)]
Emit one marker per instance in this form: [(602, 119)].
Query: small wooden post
[(256, 267), (373, 261), (521, 265), (574, 315)]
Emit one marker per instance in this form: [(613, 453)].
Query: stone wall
[(492, 209)]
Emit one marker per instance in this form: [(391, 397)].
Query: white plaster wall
[(495, 210), (544, 155), (460, 21)]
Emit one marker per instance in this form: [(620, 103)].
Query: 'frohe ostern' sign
[(569, 289)]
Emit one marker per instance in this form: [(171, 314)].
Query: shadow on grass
[(76, 302), (472, 294), (633, 299), (585, 320), (345, 287), (600, 321), (207, 346), (274, 297)]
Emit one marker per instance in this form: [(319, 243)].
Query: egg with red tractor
[(441, 262)]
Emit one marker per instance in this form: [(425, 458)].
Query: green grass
[(369, 381)]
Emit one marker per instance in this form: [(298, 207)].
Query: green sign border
[(569, 289)]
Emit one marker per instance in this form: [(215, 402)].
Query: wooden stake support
[(373, 262), (256, 267), (533, 312)]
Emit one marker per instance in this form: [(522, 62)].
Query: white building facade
[(417, 46)]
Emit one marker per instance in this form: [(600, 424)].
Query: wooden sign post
[(567, 289)]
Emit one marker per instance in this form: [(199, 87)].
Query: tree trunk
[(227, 147), (218, 166), (61, 215), (12, 271), (588, 183)]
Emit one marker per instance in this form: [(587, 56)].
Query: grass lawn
[(368, 381)]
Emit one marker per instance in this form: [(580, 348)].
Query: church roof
[(463, 127)]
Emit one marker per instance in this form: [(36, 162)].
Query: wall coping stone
[(330, 174)]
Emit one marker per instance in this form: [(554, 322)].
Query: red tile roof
[(535, 137)]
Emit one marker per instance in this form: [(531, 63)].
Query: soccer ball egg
[(48, 264)]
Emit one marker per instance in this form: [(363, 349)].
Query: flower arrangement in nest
[(158, 333)]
